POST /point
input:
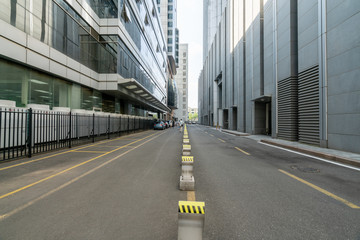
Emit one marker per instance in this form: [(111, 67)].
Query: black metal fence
[(24, 132)]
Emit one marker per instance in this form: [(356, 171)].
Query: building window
[(170, 32), (158, 1), (170, 8), (184, 80), (125, 14), (170, 1), (159, 9), (184, 54), (184, 73), (184, 67), (170, 40), (184, 99), (170, 24), (170, 16), (184, 86), (169, 49)]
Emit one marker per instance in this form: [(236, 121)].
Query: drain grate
[(305, 169)]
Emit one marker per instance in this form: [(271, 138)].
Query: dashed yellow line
[(191, 196), (90, 151), (57, 154), (347, 203), (68, 169), (239, 149), (221, 140), (211, 135)]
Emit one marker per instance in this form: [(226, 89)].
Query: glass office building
[(109, 55)]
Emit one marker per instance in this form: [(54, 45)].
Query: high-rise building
[(182, 83), (212, 14), (284, 68), (168, 14), (107, 55)]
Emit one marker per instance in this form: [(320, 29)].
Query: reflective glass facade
[(57, 24)]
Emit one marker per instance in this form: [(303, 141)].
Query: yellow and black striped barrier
[(187, 159), (191, 220), (192, 207), (186, 150), (186, 141)]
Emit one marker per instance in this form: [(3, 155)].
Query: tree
[(193, 116)]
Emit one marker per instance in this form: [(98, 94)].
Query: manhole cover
[(305, 169)]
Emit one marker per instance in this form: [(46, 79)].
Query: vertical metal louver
[(309, 106), (288, 109)]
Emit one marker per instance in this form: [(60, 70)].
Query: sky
[(189, 23)]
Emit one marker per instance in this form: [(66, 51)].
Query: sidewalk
[(326, 153)]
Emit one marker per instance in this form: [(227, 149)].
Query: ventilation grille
[(288, 109), (309, 106)]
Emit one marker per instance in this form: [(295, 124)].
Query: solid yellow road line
[(242, 151), (349, 204), (4, 216), (191, 196), (221, 140), (57, 154), (90, 151), (68, 169)]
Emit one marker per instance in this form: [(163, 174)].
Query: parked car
[(159, 125)]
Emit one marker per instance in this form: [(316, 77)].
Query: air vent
[(309, 106), (288, 109)]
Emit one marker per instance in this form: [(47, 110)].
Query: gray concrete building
[(182, 83), (285, 68)]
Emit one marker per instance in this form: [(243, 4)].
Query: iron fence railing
[(24, 132)]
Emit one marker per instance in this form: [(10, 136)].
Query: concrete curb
[(315, 153), (235, 133)]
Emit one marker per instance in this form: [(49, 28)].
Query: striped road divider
[(186, 151), (191, 220), (187, 180)]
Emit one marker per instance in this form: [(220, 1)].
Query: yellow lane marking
[(221, 140), (4, 216), (90, 151), (68, 169), (242, 151), (211, 135), (349, 204), (57, 154), (191, 196)]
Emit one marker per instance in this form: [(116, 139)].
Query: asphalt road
[(127, 188)]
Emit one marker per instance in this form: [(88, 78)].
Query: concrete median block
[(187, 184), (187, 171), (186, 150), (191, 220)]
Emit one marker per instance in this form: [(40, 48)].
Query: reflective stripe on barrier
[(192, 207), (187, 159)]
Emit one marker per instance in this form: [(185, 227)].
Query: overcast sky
[(189, 23)]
